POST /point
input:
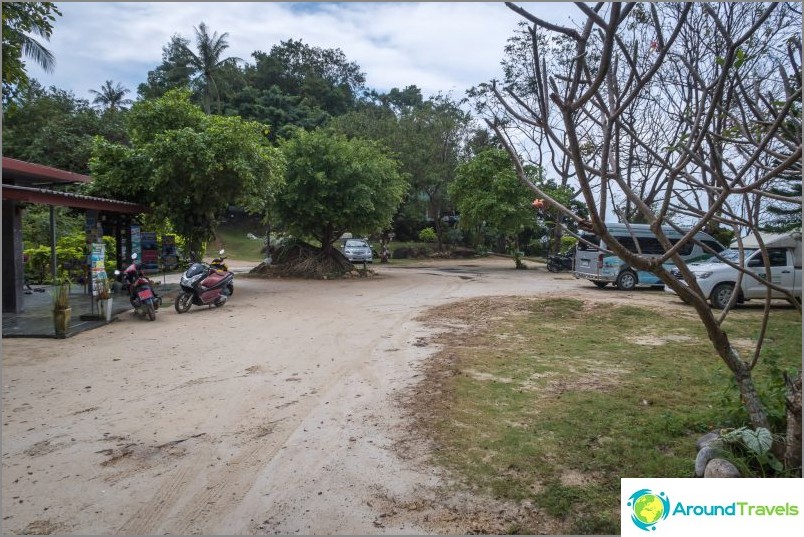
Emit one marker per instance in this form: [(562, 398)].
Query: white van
[(602, 268)]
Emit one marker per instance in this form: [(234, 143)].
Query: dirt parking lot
[(276, 413)]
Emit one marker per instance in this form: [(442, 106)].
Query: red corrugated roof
[(28, 172), (68, 199)]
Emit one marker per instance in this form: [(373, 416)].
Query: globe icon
[(648, 509)]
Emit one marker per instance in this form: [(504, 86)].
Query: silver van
[(601, 268)]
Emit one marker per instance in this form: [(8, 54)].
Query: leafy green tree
[(189, 166), (174, 72), (54, 128), (111, 97), (323, 78), (20, 19), (284, 112), (335, 185), (208, 62), (785, 216), (488, 193), (427, 137)]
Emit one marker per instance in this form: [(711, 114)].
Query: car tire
[(721, 295), (626, 281)]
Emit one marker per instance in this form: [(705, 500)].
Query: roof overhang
[(68, 199), (19, 172)]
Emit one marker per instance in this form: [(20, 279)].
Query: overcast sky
[(437, 46)]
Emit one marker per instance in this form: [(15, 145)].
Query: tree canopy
[(188, 166), (20, 19), (336, 185)]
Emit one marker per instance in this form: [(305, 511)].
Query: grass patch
[(233, 237), (553, 401)]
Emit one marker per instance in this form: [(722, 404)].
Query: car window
[(355, 244)]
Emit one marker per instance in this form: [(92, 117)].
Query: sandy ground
[(276, 413)]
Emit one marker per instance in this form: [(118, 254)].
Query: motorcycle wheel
[(552, 267), (149, 310), (230, 287), (183, 302)]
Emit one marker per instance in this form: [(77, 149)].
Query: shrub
[(428, 234)]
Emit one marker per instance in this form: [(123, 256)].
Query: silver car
[(358, 251)]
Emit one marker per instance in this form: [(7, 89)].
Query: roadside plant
[(753, 448), (61, 293), (428, 234)]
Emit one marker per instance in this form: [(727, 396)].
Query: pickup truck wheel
[(626, 281), (721, 295)]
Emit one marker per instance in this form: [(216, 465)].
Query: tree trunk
[(792, 455)]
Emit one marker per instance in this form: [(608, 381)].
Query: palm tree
[(19, 20), (208, 62), (111, 97)]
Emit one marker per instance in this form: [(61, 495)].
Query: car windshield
[(356, 244), (733, 255)]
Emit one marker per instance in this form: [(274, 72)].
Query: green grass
[(556, 402), (233, 238)]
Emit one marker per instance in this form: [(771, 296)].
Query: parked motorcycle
[(220, 264), (205, 284), (140, 288), (561, 262)]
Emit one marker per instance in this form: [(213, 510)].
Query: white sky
[(437, 46)]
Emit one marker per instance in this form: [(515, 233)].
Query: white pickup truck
[(717, 279)]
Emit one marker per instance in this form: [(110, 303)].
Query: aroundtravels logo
[(648, 508), (676, 506)]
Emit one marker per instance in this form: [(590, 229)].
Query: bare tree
[(669, 111)]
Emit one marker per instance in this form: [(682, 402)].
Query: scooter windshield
[(195, 269)]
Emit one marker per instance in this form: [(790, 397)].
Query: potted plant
[(61, 306), (105, 299)]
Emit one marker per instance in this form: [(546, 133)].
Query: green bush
[(71, 255), (428, 234), (567, 242)]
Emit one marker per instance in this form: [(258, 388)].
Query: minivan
[(602, 268)]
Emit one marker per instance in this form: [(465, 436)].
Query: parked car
[(358, 251), (718, 279)]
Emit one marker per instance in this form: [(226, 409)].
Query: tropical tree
[(207, 63), (20, 19), (323, 78), (428, 137), (54, 128), (189, 166), (487, 193), (335, 185), (111, 97), (174, 72)]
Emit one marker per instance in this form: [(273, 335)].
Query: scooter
[(140, 290), (205, 285), (561, 262), (219, 263)]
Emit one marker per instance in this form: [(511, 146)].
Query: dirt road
[(273, 414)]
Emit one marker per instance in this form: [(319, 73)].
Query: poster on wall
[(136, 241), (91, 227), (97, 266), (150, 251)]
